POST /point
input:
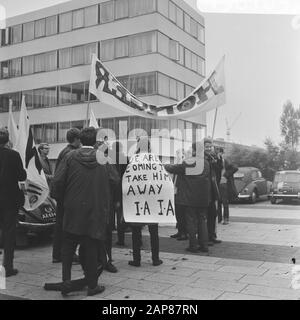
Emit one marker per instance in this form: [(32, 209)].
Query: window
[(91, 16), (83, 54), (106, 11), (201, 33), (163, 44), (50, 97), (138, 7), (173, 89), (50, 132), (107, 50), (194, 62), (201, 66), (187, 23), (121, 47), (16, 34), (51, 25), (28, 65), (16, 100), (163, 85), (4, 69), (40, 28), (65, 22), (15, 67), (38, 98), (188, 90), (78, 19), (65, 94), (142, 84), (78, 92), (77, 124), (173, 50), (4, 102), (179, 17), (188, 58), (142, 43), (180, 90), (89, 50), (194, 28), (45, 62), (172, 11), (65, 58), (28, 98), (122, 9), (63, 128), (28, 31), (181, 55)]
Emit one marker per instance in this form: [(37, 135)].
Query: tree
[(290, 125)]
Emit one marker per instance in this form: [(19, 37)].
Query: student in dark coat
[(73, 137), (84, 186), (193, 197), (11, 198)]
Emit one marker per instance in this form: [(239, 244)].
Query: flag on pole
[(36, 187), (209, 95), (93, 120), (12, 127)]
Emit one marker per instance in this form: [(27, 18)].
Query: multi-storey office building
[(156, 48)]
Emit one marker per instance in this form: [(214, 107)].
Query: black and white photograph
[(149, 153)]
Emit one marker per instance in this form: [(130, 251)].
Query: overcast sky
[(262, 68)]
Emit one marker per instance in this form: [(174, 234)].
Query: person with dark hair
[(73, 137), (83, 185), (11, 198), (144, 146), (214, 194), (44, 150), (193, 198)]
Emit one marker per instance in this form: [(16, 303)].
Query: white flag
[(12, 127), (36, 187), (93, 120)]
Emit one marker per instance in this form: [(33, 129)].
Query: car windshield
[(287, 177)]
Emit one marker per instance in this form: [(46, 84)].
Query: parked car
[(286, 185), (250, 184)]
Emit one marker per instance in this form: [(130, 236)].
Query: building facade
[(156, 48)]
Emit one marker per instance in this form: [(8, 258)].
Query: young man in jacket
[(84, 186), (193, 197), (11, 198)]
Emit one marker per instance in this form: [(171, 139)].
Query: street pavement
[(254, 262)]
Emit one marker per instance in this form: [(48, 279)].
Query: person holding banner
[(193, 197), (11, 198), (44, 150)]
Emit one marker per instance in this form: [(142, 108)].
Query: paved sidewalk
[(252, 262)]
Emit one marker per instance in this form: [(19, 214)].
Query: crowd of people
[(89, 196)]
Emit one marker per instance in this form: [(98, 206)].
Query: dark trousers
[(89, 257), (8, 221), (181, 219), (121, 225), (137, 240), (224, 202), (197, 226), (58, 232), (211, 220)]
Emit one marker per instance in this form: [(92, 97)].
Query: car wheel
[(273, 200), (253, 198)]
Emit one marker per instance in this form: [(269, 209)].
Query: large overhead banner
[(209, 95), (148, 191)]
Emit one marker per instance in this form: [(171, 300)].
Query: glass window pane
[(122, 9), (51, 25), (16, 100), (180, 90), (201, 66), (91, 16), (194, 28), (28, 65), (173, 89), (181, 54), (194, 62), (142, 43), (78, 92), (78, 55), (65, 58), (50, 132), (65, 22), (107, 50), (200, 33), (106, 11), (39, 62), (89, 50), (28, 98), (173, 50), (38, 98), (28, 31), (38, 133), (50, 60), (163, 85), (50, 97), (172, 11), (4, 103), (188, 58), (16, 33), (40, 28), (5, 69), (78, 19), (138, 7), (65, 94), (15, 67), (142, 84), (179, 17), (121, 47), (187, 23), (77, 124), (63, 128), (163, 44)]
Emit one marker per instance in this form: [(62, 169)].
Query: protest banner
[(148, 191)]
